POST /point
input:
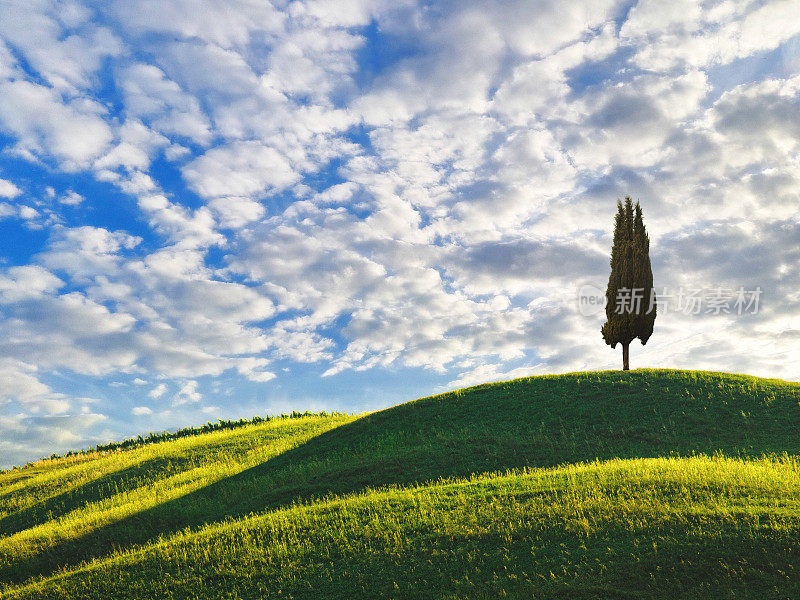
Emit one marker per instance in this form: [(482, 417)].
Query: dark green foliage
[(631, 271), (643, 277)]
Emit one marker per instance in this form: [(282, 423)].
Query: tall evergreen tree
[(630, 297)]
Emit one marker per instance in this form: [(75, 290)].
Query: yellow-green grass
[(74, 507), (637, 528), (309, 475)]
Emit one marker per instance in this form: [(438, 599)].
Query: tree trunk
[(625, 347)]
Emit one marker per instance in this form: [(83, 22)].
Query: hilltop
[(651, 483)]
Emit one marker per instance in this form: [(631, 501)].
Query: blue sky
[(214, 209)]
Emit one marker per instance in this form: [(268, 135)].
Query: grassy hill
[(588, 485)]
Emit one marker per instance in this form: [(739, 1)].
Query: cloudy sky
[(213, 209)]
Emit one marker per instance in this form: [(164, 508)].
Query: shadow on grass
[(123, 480)]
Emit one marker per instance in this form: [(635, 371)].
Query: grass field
[(646, 484)]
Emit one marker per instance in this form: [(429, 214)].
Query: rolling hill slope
[(639, 484)]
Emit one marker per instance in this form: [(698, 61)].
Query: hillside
[(640, 484)]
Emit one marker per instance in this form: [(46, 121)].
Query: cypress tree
[(630, 293)]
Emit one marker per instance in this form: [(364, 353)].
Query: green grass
[(587, 485)]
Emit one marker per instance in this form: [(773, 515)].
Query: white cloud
[(135, 147), (487, 373), (187, 393), (685, 34), (196, 67), (73, 132), (71, 198), (255, 369), (84, 251), (28, 213), (236, 211), (650, 16), (158, 391), (139, 411), (226, 24), (8, 189), (149, 94), (629, 125), (27, 282), (188, 229), (66, 60), (25, 438), (240, 169), (8, 210), (19, 382)]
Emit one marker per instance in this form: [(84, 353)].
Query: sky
[(212, 209)]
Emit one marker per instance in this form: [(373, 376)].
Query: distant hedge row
[(220, 425)]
